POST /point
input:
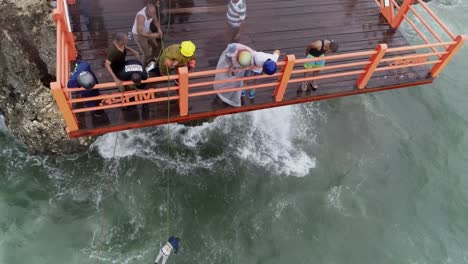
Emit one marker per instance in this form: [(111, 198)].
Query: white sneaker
[(150, 67)]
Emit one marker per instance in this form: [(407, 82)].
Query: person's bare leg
[(314, 82), (305, 83)]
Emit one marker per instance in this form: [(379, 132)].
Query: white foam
[(269, 143), (2, 124), (264, 138), (125, 143), (334, 198)]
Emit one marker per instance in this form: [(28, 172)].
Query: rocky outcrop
[(27, 66)]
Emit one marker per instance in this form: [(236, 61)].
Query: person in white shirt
[(237, 11), (144, 37), (259, 59)]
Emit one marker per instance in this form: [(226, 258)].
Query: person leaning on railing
[(133, 71), (237, 57), (175, 56), (115, 61), (317, 49), (83, 76)]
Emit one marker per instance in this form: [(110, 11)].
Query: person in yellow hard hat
[(175, 56)]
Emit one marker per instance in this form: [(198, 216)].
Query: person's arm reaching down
[(117, 81)]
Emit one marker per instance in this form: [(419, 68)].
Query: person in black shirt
[(116, 54), (133, 70), (317, 49)]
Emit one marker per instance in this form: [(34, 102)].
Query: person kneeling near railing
[(133, 71), (173, 57), (83, 76)]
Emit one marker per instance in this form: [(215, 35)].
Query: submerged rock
[(27, 66)]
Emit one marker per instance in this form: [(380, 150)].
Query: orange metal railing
[(66, 52), (357, 66)]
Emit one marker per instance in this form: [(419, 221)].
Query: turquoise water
[(379, 178)]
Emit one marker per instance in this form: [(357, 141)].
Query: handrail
[(437, 19), (66, 52), (363, 65), (372, 65)]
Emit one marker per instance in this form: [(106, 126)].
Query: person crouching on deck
[(133, 71), (173, 57), (317, 49), (142, 33), (172, 244), (115, 61), (83, 76)]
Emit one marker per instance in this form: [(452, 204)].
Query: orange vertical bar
[(58, 60), (71, 46), (452, 50), (404, 9), (64, 107), (386, 8), (183, 91), (66, 64), (284, 77), (370, 68), (62, 59)]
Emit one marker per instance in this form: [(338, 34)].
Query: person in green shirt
[(175, 56)]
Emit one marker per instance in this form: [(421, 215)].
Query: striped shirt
[(236, 13)]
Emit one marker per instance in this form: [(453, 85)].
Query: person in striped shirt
[(237, 11)]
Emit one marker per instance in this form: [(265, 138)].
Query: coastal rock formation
[(27, 66)]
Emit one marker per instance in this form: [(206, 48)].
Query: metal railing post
[(387, 10), (64, 107), (381, 49), (183, 91), (284, 78), (451, 51), (404, 9)]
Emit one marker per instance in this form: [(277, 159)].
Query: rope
[(165, 175), (98, 260), (168, 135)]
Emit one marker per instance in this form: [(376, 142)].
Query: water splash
[(3, 127), (263, 138)]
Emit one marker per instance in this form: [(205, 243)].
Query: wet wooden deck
[(271, 24)]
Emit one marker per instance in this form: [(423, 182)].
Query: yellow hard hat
[(187, 48)]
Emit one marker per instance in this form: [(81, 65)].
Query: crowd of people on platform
[(242, 61)]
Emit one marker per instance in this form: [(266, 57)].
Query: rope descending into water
[(165, 175)]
